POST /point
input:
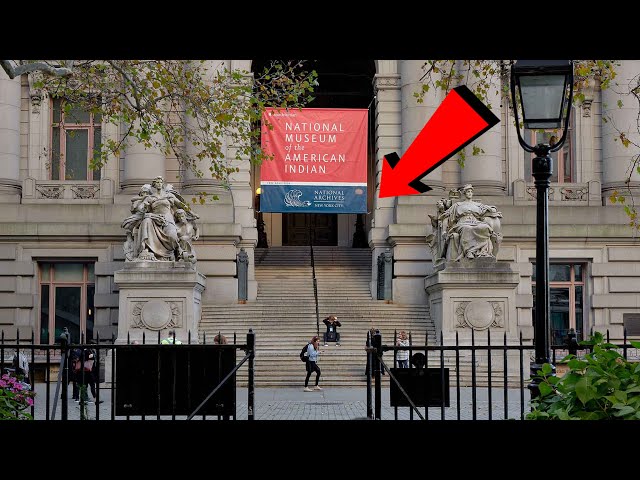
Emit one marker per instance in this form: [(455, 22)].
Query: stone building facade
[(61, 240)]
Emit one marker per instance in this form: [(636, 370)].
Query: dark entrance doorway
[(310, 229), (341, 84)]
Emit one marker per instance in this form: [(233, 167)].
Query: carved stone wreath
[(50, 191), (85, 191), (479, 314), (156, 314), (533, 193), (574, 193)]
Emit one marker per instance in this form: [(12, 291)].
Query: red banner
[(312, 148)]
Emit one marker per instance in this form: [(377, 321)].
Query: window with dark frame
[(75, 141), (564, 168), (67, 291), (566, 300)]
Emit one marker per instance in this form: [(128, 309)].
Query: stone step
[(355, 308), (286, 299)]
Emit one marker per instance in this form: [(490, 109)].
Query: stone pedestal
[(158, 297), (477, 294)]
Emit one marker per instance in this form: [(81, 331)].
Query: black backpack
[(303, 354)]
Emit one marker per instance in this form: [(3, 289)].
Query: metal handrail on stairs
[(315, 291)]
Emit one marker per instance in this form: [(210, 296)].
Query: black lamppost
[(539, 89), (262, 235)]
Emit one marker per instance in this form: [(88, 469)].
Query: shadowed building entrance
[(310, 229), (341, 84)]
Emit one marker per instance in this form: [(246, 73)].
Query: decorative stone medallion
[(480, 314), (156, 314)]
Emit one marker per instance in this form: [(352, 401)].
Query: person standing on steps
[(312, 365), (402, 356), (332, 335), (372, 332)]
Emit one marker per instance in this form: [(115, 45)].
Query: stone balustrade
[(588, 193), (67, 191)]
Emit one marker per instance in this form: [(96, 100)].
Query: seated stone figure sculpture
[(152, 233), (466, 229)]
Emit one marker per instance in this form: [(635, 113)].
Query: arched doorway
[(342, 84)]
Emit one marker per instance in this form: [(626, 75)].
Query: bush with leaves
[(600, 386), (197, 110), (15, 398)]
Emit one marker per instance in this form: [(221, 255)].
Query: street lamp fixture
[(262, 235), (543, 91)]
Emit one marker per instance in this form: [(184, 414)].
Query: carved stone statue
[(187, 232), (464, 229), (152, 233)]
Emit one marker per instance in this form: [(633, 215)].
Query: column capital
[(386, 81)]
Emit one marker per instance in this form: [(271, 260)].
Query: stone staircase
[(284, 315)]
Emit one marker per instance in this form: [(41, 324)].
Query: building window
[(566, 294), (75, 141), (564, 169), (66, 300)]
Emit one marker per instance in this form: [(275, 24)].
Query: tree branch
[(136, 93), (17, 70)]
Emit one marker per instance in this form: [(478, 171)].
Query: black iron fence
[(145, 380), (455, 381)]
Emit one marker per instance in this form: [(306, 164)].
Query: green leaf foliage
[(600, 386), (489, 80), (202, 112)]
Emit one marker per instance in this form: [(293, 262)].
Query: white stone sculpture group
[(161, 226), (464, 229)]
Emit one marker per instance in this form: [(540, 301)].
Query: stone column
[(484, 171), (142, 164), (415, 115), (10, 186), (388, 138), (616, 157), (193, 183)]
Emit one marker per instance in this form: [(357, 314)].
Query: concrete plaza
[(331, 403)]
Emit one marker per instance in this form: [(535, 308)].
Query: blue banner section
[(313, 198)]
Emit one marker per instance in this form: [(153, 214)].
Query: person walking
[(402, 356), (312, 364), (86, 376)]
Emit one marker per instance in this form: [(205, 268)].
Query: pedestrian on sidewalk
[(372, 332), (312, 365)]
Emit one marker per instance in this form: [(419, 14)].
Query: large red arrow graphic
[(459, 120)]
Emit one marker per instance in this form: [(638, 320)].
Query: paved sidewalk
[(332, 403)]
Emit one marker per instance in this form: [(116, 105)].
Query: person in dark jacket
[(331, 335), (74, 371), (87, 374), (372, 332)]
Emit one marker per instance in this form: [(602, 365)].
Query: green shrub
[(600, 386)]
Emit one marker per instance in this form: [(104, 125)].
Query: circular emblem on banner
[(156, 314), (479, 314)]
